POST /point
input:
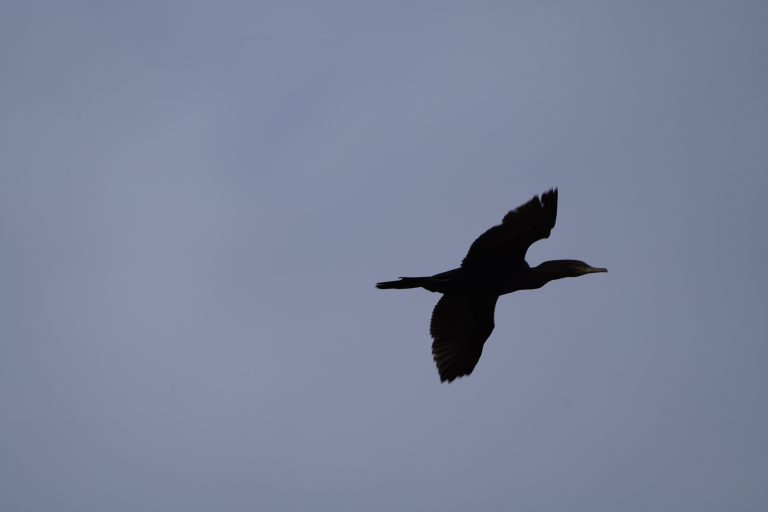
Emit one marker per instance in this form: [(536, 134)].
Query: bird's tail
[(403, 283)]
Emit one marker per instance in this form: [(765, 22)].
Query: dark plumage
[(495, 265)]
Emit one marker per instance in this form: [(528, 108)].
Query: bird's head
[(579, 268)]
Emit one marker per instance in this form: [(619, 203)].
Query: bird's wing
[(507, 243), (460, 325)]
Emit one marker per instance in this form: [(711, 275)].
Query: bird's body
[(489, 280), (495, 265)]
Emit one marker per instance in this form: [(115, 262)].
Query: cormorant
[(495, 265)]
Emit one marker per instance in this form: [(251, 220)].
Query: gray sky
[(196, 199)]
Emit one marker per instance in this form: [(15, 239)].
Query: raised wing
[(507, 243), (460, 325)]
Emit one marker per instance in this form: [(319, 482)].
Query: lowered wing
[(460, 325)]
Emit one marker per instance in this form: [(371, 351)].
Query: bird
[(463, 319)]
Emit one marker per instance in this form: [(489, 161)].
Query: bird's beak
[(593, 270)]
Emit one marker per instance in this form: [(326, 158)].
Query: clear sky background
[(196, 199)]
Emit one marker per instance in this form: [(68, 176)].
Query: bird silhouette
[(495, 265)]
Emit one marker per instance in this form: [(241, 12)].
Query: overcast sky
[(196, 199)]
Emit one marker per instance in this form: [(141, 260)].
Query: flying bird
[(495, 265)]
